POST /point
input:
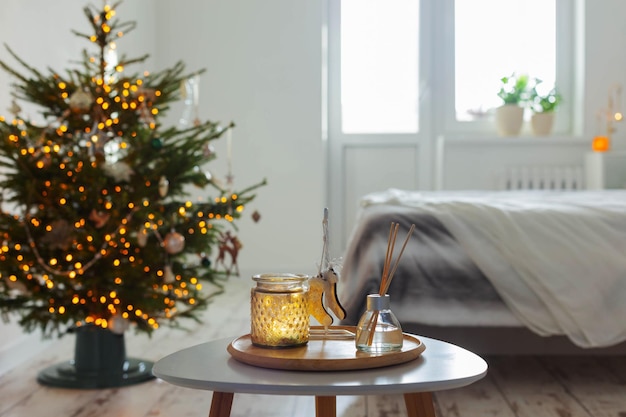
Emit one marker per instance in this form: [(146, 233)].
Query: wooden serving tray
[(330, 354)]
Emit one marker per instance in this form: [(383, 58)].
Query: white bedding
[(557, 259)]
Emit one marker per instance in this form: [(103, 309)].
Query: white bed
[(551, 264)]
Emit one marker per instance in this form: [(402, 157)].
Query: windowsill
[(491, 140)]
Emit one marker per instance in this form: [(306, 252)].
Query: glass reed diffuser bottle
[(378, 330)]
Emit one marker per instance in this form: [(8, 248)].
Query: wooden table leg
[(221, 404), (325, 406), (419, 404)]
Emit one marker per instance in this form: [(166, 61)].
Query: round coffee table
[(209, 366)]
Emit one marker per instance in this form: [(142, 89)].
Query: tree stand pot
[(99, 362)]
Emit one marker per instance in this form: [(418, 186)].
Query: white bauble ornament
[(119, 171), (174, 243), (117, 324), (80, 101)]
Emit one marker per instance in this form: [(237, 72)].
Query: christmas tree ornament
[(256, 216), (168, 275), (229, 244), (146, 97), (142, 237), (80, 101), (164, 186), (206, 174), (16, 287), (230, 178), (99, 218), (111, 61), (59, 235), (41, 280), (115, 149), (119, 171), (14, 109), (205, 261), (96, 140), (117, 324), (190, 93), (174, 242), (156, 144), (208, 150)]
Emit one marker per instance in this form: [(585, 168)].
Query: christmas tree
[(97, 226)]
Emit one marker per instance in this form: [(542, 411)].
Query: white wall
[(604, 60), (263, 72)]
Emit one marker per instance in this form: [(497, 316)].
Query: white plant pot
[(541, 123), (509, 119)]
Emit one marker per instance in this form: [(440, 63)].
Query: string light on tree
[(95, 225)]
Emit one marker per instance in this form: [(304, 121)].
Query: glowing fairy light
[(81, 255)]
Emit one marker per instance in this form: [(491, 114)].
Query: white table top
[(209, 366)]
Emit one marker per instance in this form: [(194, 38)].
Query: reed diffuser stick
[(387, 276), (393, 271), (391, 241)]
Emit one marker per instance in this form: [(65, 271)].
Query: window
[(400, 57), (515, 36), (379, 66)]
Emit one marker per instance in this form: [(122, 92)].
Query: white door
[(377, 138)]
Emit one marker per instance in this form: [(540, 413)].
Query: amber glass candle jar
[(279, 311)]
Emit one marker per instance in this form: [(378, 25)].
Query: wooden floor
[(526, 386)]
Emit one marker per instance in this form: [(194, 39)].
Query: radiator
[(543, 178)]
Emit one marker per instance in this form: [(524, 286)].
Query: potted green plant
[(543, 107), (514, 92)]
